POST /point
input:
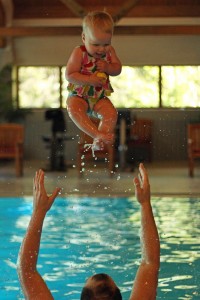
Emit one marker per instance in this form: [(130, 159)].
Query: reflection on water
[(91, 235)]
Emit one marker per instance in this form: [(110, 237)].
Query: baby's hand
[(96, 80), (102, 66)]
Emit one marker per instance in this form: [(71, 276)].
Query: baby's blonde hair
[(98, 19)]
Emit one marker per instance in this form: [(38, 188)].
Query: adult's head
[(100, 287)]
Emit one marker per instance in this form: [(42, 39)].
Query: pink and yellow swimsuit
[(88, 92)]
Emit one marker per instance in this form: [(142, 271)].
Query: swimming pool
[(83, 236)]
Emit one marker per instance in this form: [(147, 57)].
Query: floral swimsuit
[(88, 92)]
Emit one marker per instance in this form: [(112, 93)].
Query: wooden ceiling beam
[(76, 8), (138, 10), (128, 5), (158, 30), (39, 31), (7, 16), (165, 11), (119, 30), (8, 11)]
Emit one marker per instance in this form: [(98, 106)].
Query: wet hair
[(103, 291), (98, 19)]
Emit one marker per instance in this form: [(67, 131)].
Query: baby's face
[(97, 42)]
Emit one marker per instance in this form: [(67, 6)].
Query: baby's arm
[(73, 69), (113, 68)]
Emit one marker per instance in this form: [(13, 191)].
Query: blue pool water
[(83, 236)]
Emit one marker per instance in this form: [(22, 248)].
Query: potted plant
[(8, 109)]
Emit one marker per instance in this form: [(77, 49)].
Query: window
[(181, 86), (135, 87), (38, 87), (64, 87)]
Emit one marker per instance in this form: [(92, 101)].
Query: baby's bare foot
[(98, 144), (101, 139)]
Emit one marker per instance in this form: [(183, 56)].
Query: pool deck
[(166, 178)]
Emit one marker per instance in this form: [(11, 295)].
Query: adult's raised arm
[(146, 280), (33, 285)]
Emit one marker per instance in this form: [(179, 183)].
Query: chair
[(11, 144), (140, 140), (122, 135), (193, 142), (56, 142), (85, 153)]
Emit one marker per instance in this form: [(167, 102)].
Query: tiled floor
[(167, 178)]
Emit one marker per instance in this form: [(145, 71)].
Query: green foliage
[(136, 87), (5, 91), (8, 111), (181, 86)]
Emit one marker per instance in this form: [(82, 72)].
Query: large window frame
[(160, 86)]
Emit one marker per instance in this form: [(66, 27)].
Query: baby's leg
[(77, 109), (108, 116)]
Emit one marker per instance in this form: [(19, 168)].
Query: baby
[(87, 72)]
